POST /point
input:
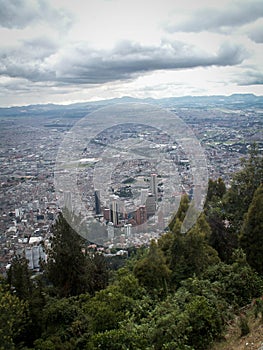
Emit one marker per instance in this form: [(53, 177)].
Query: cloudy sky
[(64, 51)]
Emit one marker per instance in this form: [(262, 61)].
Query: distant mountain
[(76, 110)]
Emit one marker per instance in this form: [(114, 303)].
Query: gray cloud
[(22, 13), (221, 19), (28, 60), (256, 34), (80, 64), (250, 77)]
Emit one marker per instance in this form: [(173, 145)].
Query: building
[(97, 202), (127, 230), (106, 214), (144, 195), (68, 201), (141, 215), (110, 230), (114, 210), (153, 186), (150, 205)]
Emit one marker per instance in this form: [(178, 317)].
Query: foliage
[(152, 271), (251, 239), (237, 283), (180, 215), (18, 277), (244, 184), (69, 268), (66, 267), (215, 192), (13, 319), (190, 253)]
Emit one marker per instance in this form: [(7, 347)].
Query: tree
[(216, 190), (152, 271), (182, 210), (28, 288), (222, 239), (236, 283), (244, 184), (190, 253), (18, 277), (67, 263), (97, 271), (251, 238), (13, 319)]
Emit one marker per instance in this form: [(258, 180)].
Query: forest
[(180, 293)]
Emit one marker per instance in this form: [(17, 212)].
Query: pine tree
[(180, 215), (67, 264), (251, 238), (18, 277), (244, 184), (190, 253), (152, 271)]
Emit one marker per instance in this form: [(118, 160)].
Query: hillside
[(232, 339)]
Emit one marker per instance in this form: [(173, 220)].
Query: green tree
[(244, 184), (180, 214), (190, 253), (67, 263), (236, 283), (222, 239), (13, 319), (152, 271), (107, 308), (216, 190), (29, 288), (18, 277), (97, 272), (251, 238)]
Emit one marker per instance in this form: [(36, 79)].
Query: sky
[(65, 51)]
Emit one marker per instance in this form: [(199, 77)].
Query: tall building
[(110, 230), (144, 195), (68, 201), (141, 215), (114, 210), (106, 214), (127, 230), (97, 202), (153, 185), (150, 205)]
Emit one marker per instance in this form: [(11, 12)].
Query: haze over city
[(65, 51)]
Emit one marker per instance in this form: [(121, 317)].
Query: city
[(122, 176)]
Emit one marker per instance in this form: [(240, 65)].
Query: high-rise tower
[(68, 201), (97, 202), (153, 185), (114, 210)]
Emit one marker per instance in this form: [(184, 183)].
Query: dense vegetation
[(179, 293)]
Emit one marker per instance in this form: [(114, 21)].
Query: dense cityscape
[(128, 210)]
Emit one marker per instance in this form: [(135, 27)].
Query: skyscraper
[(153, 185), (68, 201), (110, 230), (127, 230), (141, 215), (97, 202), (144, 195), (114, 210), (150, 205)]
